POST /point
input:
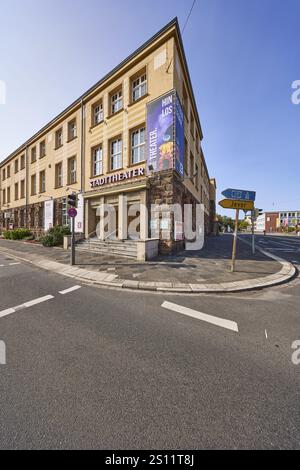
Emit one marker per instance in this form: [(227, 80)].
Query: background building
[(133, 138)]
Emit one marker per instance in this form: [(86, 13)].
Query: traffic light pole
[(72, 261), (253, 234)]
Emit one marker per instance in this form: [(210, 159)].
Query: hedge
[(16, 234)]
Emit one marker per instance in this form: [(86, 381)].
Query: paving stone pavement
[(196, 271)]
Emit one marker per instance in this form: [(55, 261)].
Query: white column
[(86, 218), (100, 212), (143, 216), (122, 228)]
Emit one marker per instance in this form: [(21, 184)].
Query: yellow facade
[(161, 60)]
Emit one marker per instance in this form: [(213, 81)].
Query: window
[(33, 185), (116, 101), (116, 154), (58, 138), (192, 167), (3, 196), (97, 158), (42, 149), (72, 130), (97, 113), (197, 177), (139, 87), (58, 175), (8, 195), (65, 217), (22, 164), (22, 189), (42, 181), (16, 191), (3, 174), (16, 166), (192, 121), (72, 170), (8, 171), (33, 154), (185, 157), (185, 102), (138, 145)]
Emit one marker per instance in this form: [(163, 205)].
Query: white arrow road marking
[(71, 289), (39, 300), (228, 324)]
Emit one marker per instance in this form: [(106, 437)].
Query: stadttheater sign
[(117, 177)]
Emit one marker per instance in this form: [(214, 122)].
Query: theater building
[(133, 138)]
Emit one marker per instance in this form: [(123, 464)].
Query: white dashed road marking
[(39, 300), (71, 289), (13, 264), (228, 324)]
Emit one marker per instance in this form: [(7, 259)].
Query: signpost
[(237, 204), (72, 212), (238, 199), (239, 194)]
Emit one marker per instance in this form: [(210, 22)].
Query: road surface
[(95, 368)]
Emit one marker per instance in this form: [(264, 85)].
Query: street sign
[(236, 204), (72, 212), (239, 194)]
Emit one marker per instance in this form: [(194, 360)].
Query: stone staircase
[(118, 248)]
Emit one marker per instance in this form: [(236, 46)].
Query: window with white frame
[(139, 87), (65, 217), (98, 115), (138, 145), (58, 175), (97, 157), (72, 170), (58, 138), (116, 101), (116, 154), (72, 129), (42, 181)]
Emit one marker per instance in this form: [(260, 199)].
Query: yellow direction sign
[(237, 204)]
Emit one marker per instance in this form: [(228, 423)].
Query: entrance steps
[(118, 248)]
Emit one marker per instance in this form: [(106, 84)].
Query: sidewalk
[(207, 270)]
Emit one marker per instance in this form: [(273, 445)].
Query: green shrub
[(55, 235), (16, 234), (48, 240), (6, 234), (19, 233)]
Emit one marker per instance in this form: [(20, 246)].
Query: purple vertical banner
[(160, 133), (179, 138)]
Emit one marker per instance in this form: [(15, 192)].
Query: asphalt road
[(98, 368)]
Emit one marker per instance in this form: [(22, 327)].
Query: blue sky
[(243, 57)]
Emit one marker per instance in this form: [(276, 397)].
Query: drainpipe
[(82, 149), (26, 186), (82, 160)]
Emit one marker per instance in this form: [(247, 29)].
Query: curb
[(102, 279)]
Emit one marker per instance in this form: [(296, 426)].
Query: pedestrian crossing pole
[(235, 240)]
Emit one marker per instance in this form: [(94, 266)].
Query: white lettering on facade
[(124, 175)]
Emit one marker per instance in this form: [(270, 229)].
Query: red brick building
[(271, 221)]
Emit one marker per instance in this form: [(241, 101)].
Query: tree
[(224, 221)]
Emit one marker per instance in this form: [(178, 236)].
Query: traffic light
[(72, 200)]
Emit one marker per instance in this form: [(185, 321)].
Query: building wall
[(271, 221), (162, 60)]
